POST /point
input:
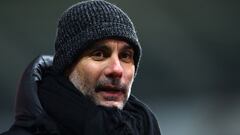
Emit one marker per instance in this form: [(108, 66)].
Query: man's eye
[(98, 55), (126, 56)]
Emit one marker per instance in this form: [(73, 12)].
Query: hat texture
[(89, 21)]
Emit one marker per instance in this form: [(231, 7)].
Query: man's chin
[(112, 104), (110, 99)]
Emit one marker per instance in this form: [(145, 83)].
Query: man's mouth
[(111, 93), (109, 88)]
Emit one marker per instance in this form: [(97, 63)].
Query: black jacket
[(30, 115)]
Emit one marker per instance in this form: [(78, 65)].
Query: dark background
[(189, 72)]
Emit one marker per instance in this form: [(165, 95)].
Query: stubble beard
[(83, 85)]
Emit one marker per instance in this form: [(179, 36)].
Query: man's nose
[(114, 68)]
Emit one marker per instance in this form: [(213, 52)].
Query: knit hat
[(89, 21)]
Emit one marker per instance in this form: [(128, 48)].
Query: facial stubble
[(83, 84)]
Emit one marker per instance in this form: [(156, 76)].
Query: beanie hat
[(89, 21)]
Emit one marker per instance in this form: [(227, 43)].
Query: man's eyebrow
[(127, 47), (99, 47)]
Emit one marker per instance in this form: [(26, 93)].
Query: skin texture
[(105, 73)]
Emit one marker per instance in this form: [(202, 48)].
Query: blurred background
[(190, 69)]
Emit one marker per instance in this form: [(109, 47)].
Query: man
[(85, 89)]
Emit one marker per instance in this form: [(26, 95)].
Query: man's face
[(105, 73)]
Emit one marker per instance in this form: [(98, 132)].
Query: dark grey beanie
[(89, 21)]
